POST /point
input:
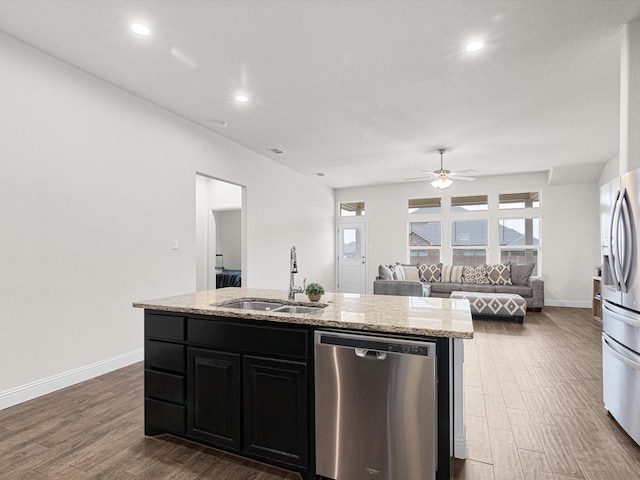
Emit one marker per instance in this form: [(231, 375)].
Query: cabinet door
[(276, 410), (214, 406)]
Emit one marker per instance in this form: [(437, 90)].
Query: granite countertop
[(428, 316)]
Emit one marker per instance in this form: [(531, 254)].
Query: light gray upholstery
[(533, 293), (403, 288)]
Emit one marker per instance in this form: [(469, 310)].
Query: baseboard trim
[(29, 391), (566, 303)]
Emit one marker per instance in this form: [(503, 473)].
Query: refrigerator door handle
[(621, 315), (627, 357), (628, 247), (614, 230)]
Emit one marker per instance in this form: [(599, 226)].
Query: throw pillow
[(499, 274), (430, 273), (445, 273), (398, 273), (410, 272), (474, 274), (451, 274), (520, 274), (385, 273), (456, 274)]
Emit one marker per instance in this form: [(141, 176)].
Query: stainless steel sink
[(297, 309), (269, 306), (252, 305)]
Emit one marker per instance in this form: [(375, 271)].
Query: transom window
[(352, 209), (470, 203), (425, 205), (519, 200)]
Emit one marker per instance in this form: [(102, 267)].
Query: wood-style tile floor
[(533, 398), (533, 402)]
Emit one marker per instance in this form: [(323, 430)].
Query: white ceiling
[(363, 91)]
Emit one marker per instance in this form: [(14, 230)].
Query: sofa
[(438, 280)]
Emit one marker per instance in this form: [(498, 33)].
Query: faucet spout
[(293, 269)]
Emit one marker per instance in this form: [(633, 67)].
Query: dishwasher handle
[(370, 354)]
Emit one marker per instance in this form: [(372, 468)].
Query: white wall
[(570, 227), (94, 186)]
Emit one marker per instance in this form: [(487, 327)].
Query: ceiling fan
[(444, 178)]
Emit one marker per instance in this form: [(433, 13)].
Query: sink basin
[(270, 306), (297, 309), (252, 305)]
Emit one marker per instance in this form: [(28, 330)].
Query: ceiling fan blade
[(463, 172), (464, 179), (419, 178)]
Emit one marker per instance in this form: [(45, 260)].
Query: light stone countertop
[(426, 316)]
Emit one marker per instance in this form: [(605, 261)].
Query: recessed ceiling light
[(474, 46), (140, 29), (242, 99)]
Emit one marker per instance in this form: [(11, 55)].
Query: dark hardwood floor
[(533, 399)]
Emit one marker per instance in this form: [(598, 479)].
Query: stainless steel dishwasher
[(375, 407)]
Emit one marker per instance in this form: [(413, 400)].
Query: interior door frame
[(352, 221)]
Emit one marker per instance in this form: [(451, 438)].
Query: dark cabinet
[(239, 386), (214, 397), (276, 410), (247, 389), (164, 374)]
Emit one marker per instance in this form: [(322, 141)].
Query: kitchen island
[(243, 380)]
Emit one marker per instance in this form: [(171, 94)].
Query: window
[(353, 209), (470, 204), (521, 256), (519, 200), (469, 256), (519, 241), (469, 232), (425, 239), (518, 231), (425, 205)]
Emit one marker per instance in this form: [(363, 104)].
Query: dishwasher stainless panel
[(375, 407)]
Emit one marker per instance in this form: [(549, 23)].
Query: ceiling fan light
[(441, 183)]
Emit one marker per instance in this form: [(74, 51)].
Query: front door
[(352, 265)]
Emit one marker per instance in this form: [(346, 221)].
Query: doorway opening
[(220, 244)]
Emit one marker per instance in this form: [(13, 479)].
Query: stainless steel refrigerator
[(620, 220)]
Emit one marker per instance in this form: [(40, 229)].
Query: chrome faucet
[(293, 269)]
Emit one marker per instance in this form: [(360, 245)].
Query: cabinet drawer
[(170, 327), (163, 417), (164, 356), (248, 338), (164, 386)]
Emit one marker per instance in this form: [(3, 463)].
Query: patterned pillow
[(474, 274), (430, 273), (499, 274)]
